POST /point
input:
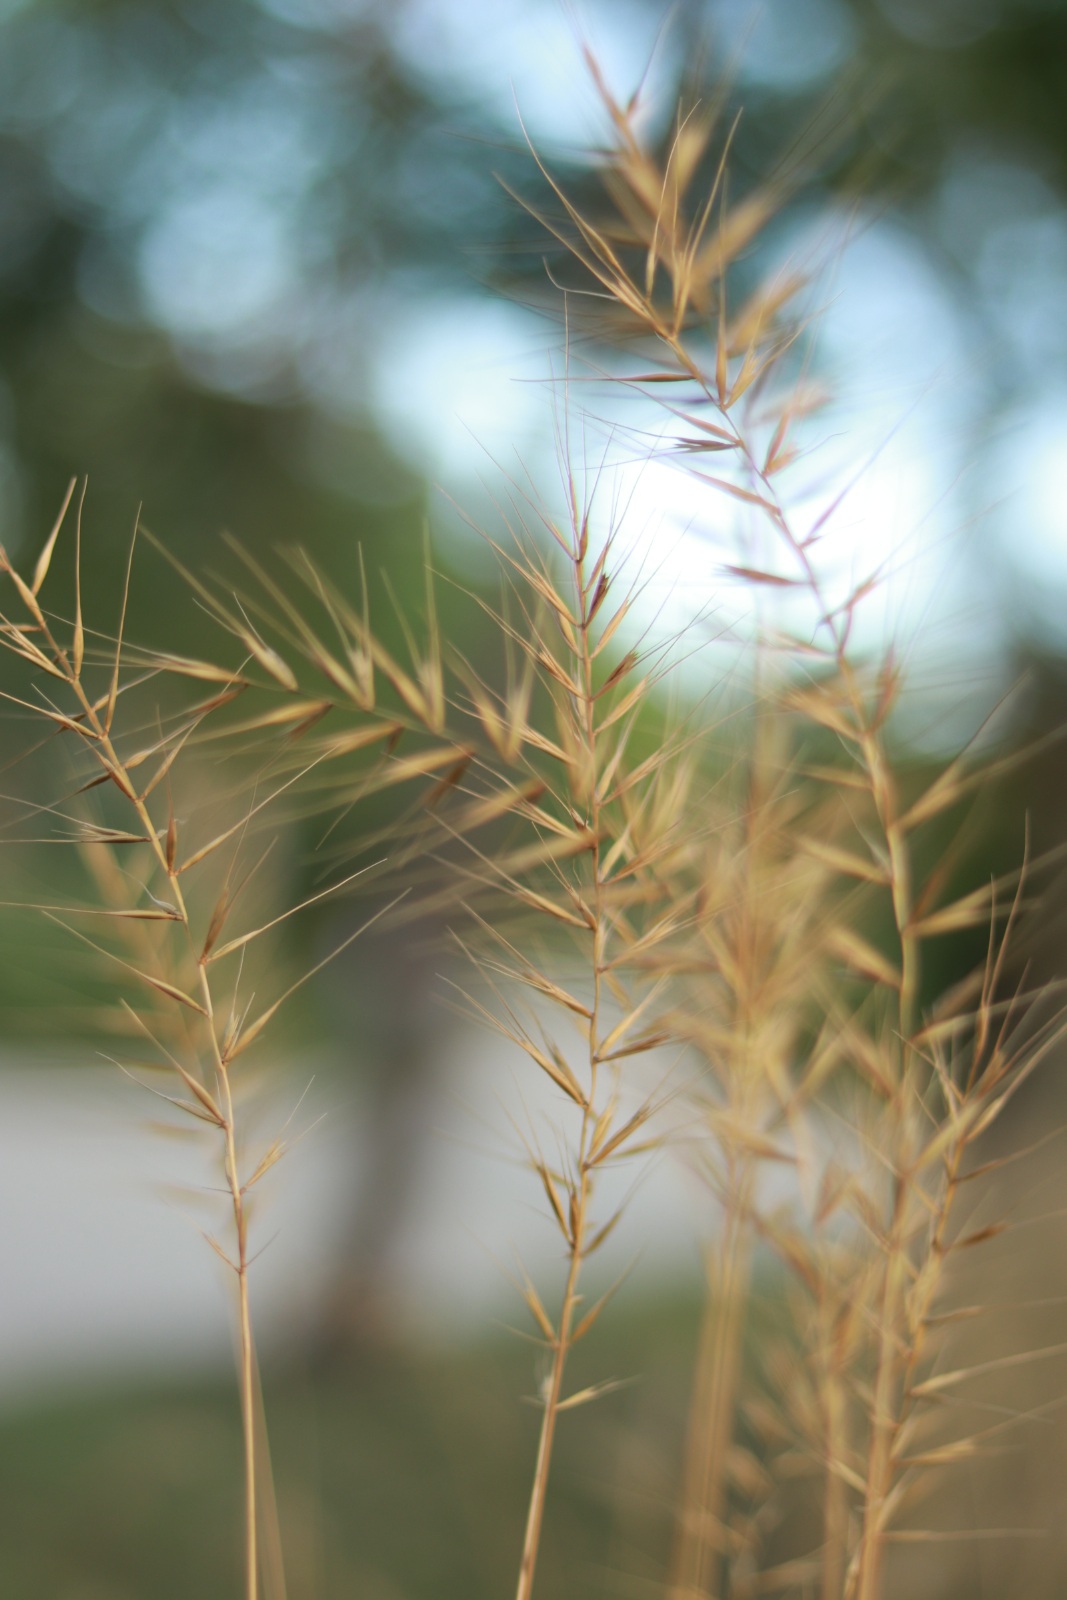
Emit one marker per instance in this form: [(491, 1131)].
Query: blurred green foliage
[(199, 206), (206, 212)]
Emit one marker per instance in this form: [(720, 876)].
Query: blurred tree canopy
[(206, 211), (211, 214)]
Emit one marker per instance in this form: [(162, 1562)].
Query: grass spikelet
[(165, 934), (710, 932)]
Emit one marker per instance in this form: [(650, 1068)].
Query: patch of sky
[(888, 322), (223, 256), (456, 383), (253, 128), (1022, 268), (782, 44), (1008, 224), (889, 451), (528, 53), (89, 147), (1028, 463), (196, 198), (1007, 220), (217, 257)]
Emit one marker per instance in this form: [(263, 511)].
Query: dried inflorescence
[(743, 895)]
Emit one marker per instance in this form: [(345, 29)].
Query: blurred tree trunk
[(389, 1015)]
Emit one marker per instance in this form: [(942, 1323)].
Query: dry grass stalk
[(787, 952), (735, 921), (163, 898), (205, 1089), (587, 830), (758, 901)]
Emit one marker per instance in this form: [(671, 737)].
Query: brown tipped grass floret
[(746, 893)]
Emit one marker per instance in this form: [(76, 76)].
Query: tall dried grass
[(749, 895)]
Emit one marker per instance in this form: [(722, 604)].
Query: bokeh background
[(261, 272)]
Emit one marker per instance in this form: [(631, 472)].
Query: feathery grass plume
[(171, 858), (811, 1005), (751, 967), (557, 752), (579, 806), (606, 820), (806, 1077), (661, 263), (760, 900)]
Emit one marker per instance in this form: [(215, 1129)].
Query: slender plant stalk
[(97, 723), (550, 1412), (699, 1561), (698, 1542), (581, 1193), (835, 1492), (886, 1401)]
